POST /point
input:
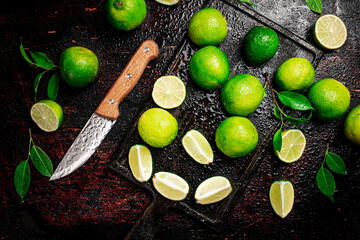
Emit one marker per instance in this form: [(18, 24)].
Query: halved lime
[(140, 161), (213, 190), (170, 185), (282, 197), (293, 145), (330, 32), (167, 2), (198, 147), (169, 92), (47, 114)]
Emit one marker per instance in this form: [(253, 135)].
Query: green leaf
[(277, 112), (53, 86), (36, 83), (295, 101), (315, 5), (264, 93), (42, 60), (277, 141), (297, 121), (247, 1), (41, 161), (25, 56), (335, 163), (22, 178), (326, 182)]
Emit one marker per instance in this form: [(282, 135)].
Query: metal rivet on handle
[(111, 101), (147, 49), (129, 75)]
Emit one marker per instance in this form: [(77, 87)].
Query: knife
[(104, 117)]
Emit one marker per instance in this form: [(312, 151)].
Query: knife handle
[(109, 106)]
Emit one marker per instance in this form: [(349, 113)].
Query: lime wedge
[(293, 145), (167, 2), (170, 185), (198, 147), (212, 190), (282, 197), (47, 114), (169, 92), (330, 32), (140, 162)]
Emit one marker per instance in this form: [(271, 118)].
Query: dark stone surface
[(97, 203)]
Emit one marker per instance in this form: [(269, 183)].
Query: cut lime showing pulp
[(282, 197), (140, 162), (293, 145), (330, 32), (198, 147), (212, 190), (47, 114), (169, 92), (170, 186), (167, 2)]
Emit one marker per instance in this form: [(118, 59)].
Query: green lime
[(282, 197), (207, 27), (330, 98), (140, 162), (125, 14), (78, 66), (242, 94), (170, 186), (295, 74), (47, 114), (209, 67), (293, 145), (157, 127), (352, 125), (212, 190), (261, 44), (236, 136), (330, 32)]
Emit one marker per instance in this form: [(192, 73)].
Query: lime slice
[(167, 2), (170, 185), (212, 190), (140, 162), (330, 32), (47, 114), (169, 92), (293, 145), (198, 147), (282, 197)]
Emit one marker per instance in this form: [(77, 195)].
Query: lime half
[(213, 190), (282, 197), (167, 2), (169, 92), (293, 145), (47, 114), (198, 147), (170, 186), (330, 32), (140, 162)]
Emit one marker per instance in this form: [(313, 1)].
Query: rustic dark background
[(95, 202)]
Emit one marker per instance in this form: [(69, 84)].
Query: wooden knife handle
[(109, 106)]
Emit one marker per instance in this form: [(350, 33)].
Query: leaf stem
[(274, 99)]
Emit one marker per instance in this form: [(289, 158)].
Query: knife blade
[(104, 117)]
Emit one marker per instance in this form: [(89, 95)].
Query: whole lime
[(242, 94), (209, 67), (207, 27), (295, 74), (125, 14), (261, 44), (78, 66), (352, 125), (330, 99), (157, 127), (236, 136)]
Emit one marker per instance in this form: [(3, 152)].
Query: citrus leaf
[(41, 161), (53, 86), (25, 56), (335, 163), (247, 1), (295, 101), (42, 60), (277, 141), (326, 182), (297, 121), (315, 5), (36, 83), (22, 178), (277, 112)]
